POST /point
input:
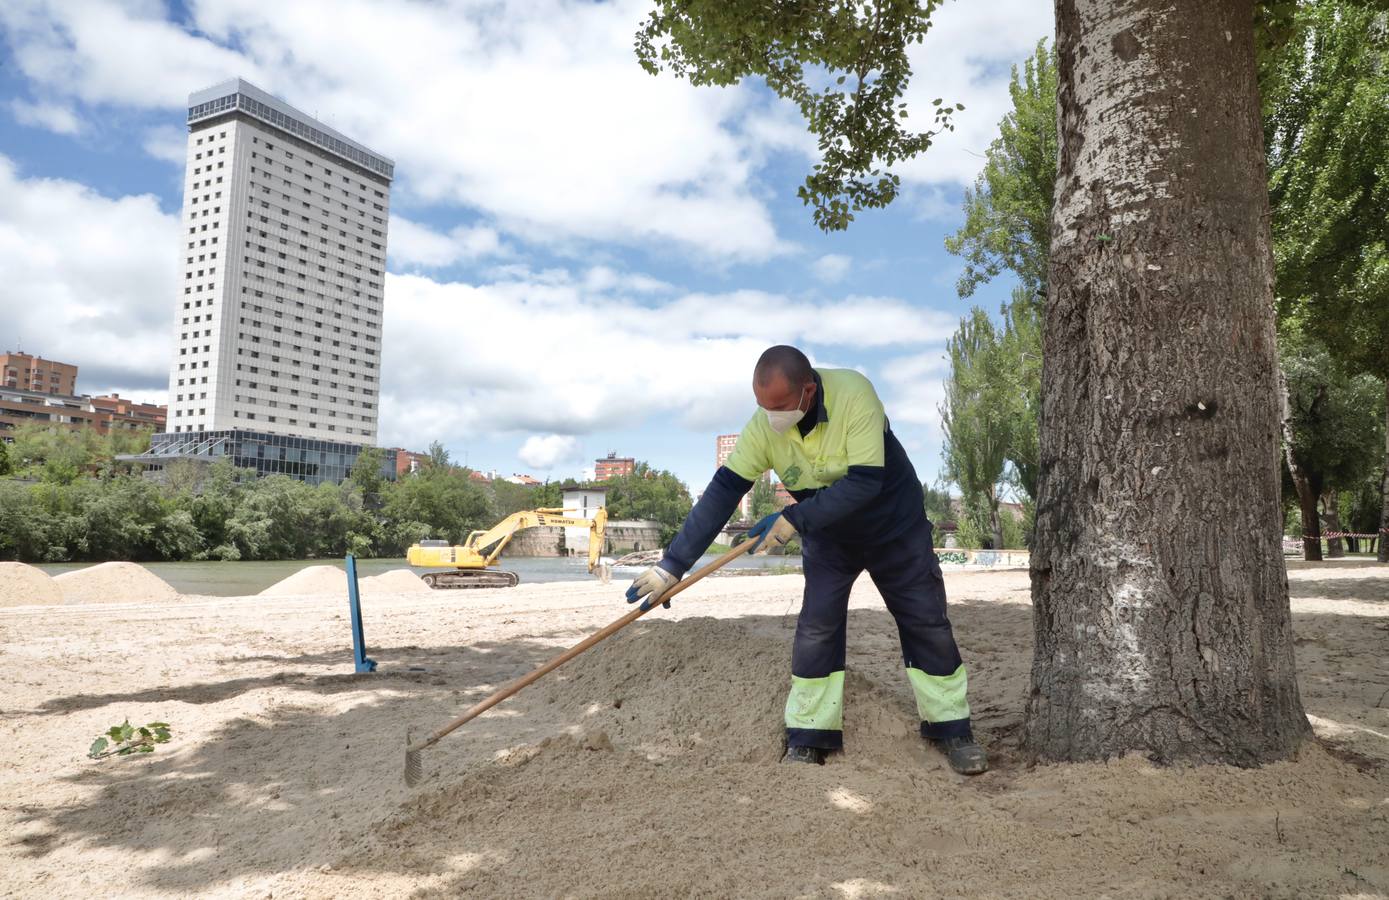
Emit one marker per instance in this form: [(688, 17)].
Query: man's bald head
[(784, 361), (783, 379)]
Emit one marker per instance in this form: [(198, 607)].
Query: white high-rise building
[(283, 245)]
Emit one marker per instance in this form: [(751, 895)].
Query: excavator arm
[(471, 565), (489, 544)]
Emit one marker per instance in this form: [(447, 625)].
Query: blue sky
[(583, 258)]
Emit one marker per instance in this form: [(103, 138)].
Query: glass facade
[(308, 459)]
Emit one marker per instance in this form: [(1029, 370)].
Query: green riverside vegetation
[(64, 496)]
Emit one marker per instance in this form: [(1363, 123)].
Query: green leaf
[(144, 732), (98, 745), (114, 732), (145, 748), (127, 731), (158, 725)]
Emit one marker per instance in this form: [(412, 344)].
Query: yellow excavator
[(473, 564)]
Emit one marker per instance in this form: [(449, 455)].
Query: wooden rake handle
[(502, 693)]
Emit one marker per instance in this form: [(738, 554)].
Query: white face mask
[(783, 419)]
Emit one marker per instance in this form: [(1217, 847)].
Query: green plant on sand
[(125, 739)]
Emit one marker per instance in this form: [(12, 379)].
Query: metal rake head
[(414, 764)]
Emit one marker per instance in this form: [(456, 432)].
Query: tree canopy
[(1007, 223), (844, 65), (1327, 136)]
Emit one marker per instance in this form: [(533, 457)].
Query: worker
[(859, 508)]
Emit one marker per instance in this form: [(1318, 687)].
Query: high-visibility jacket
[(852, 480)]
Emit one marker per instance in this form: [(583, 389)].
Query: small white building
[(585, 502)]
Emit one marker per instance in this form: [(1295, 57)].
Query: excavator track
[(471, 578)]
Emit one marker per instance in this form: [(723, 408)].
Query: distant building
[(783, 496), (105, 414), (34, 373), (407, 461), (524, 479), (120, 412), (584, 502), (283, 250), (277, 324), (724, 445), (613, 466), (723, 449)]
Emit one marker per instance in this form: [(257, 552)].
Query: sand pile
[(396, 581), (666, 782), (114, 582), (310, 580), (709, 690), (21, 585)]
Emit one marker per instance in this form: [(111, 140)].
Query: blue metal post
[(359, 643)]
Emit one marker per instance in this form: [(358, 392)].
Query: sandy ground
[(646, 768)]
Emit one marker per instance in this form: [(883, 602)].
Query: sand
[(310, 580), (22, 585), (320, 580), (395, 581), (114, 582), (645, 768)]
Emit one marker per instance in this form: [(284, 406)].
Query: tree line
[(1326, 134), (65, 496)]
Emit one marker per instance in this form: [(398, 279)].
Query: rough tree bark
[(1162, 620), (1383, 555), (1331, 513)]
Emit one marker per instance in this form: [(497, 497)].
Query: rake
[(414, 764)]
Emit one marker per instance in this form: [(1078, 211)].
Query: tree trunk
[(1331, 514), (1311, 522), (1383, 555), (995, 524), (1302, 483), (1161, 601)]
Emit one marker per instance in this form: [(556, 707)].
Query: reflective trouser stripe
[(816, 704), (940, 698)]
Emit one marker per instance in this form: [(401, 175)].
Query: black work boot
[(804, 755), (965, 756)]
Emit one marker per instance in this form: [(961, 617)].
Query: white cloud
[(559, 357), (831, 267), (933, 202), (54, 117), (122, 53), (914, 387), (536, 114), (88, 280), (169, 143), (544, 452), (533, 114), (411, 244), (965, 59)]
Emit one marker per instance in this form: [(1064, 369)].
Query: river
[(236, 579)]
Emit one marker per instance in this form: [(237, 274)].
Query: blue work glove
[(650, 586), (771, 531)]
